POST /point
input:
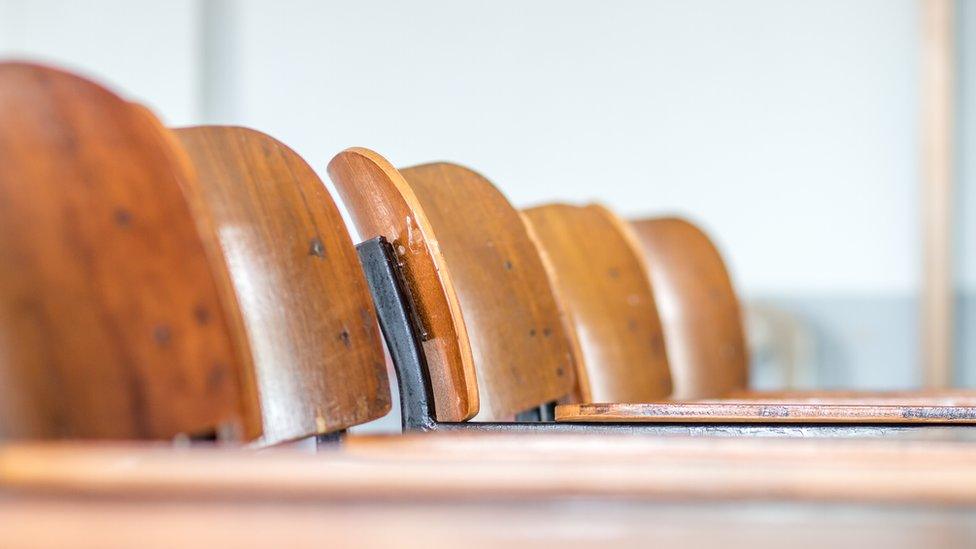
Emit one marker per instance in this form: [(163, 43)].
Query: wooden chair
[(470, 316), (702, 322), (589, 250), (307, 312), (113, 322), (492, 334), (173, 247)]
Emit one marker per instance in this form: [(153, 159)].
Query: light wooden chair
[(703, 326), (588, 249), (476, 331)]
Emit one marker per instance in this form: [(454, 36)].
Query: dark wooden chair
[(702, 323), (601, 280), (159, 282), (476, 331), (113, 323)]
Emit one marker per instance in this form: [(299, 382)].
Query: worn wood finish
[(764, 412), (603, 287), (698, 307), (473, 271), (308, 313), (381, 203), (111, 321)]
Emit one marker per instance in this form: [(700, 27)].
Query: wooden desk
[(488, 490)]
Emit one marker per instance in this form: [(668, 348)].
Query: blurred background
[(790, 130)]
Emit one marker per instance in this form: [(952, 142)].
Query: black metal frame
[(398, 323)]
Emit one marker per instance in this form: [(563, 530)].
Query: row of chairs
[(201, 282)]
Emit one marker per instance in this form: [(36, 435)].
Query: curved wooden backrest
[(600, 278), (112, 324), (698, 307), (307, 310), (474, 273)]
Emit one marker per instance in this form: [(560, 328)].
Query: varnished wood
[(111, 321), (764, 412), (471, 467), (308, 314), (381, 203), (436, 490), (474, 274), (603, 287), (698, 306)]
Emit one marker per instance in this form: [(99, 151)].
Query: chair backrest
[(600, 279), (698, 308), (307, 310), (112, 321), (494, 338)]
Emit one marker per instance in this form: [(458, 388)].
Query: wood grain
[(111, 321), (698, 307), (603, 287), (763, 412), (308, 313), (478, 270)]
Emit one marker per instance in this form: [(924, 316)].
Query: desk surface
[(486, 490)]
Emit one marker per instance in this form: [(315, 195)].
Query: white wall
[(148, 50), (787, 128)]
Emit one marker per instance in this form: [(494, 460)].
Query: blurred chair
[(600, 277), (704, 330), (113, 322), (157, 283)]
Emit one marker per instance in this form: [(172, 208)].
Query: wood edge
[(470, 380), (684, 412)]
